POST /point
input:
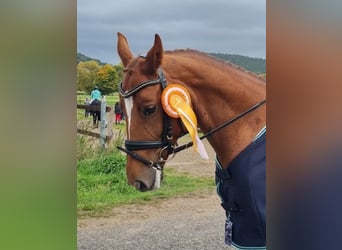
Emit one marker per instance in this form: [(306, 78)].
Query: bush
[(113, 163)]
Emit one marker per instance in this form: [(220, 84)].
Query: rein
[(189, 144), (165, 143)]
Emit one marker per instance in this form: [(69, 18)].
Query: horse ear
[(154, 56), (124, 50)]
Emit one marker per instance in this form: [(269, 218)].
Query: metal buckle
[(161, 159)]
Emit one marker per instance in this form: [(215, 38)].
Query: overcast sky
[(223, 26)]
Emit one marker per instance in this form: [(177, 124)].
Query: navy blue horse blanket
[(242, 188)]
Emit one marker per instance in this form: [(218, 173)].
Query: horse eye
[(149, 110)]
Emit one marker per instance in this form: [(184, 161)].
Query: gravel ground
[(194, 222)]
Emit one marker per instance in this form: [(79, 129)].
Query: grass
[(102, 184)]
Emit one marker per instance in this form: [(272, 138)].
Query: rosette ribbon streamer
[(176, 103)]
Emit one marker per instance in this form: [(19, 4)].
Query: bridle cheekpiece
[(166, 141)]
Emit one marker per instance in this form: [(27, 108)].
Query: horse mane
[(211, 59)]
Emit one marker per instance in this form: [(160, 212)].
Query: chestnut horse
[(221, 94)]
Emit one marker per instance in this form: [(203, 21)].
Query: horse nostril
[(139, 185)]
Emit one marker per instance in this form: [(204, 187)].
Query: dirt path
[(198, 202), (189, 161)]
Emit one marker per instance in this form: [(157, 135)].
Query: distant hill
[(84, 58), (256, 65)]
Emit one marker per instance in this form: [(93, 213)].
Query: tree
[(105, 79), (119, 75), (86, 75)]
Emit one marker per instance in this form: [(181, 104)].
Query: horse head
[(151, 134)]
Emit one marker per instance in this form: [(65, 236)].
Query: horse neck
[(219, 92)]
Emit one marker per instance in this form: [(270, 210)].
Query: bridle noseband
[(166, 143)]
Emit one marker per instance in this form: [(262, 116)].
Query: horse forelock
[(131, 71), (135, 73)]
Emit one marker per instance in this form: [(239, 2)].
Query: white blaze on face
[(129, 108)]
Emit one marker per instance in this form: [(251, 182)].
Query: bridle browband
[(165, 143)]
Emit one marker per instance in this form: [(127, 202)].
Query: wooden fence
[(106, 132)]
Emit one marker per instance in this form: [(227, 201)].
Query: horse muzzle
[(150, 182)]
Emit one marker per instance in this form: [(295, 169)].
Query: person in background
[(118, 112), (96, 101), (95, 94)]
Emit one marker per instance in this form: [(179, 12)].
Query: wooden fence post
[(103, 123), (106, 132)]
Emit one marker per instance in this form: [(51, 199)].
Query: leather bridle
[(166, 140)]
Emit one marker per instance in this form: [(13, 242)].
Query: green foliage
[(107, 79), (91, 72), (86, 147), (119, 75), (256, 65), (87, 75), (102, 184), (103, 164)]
